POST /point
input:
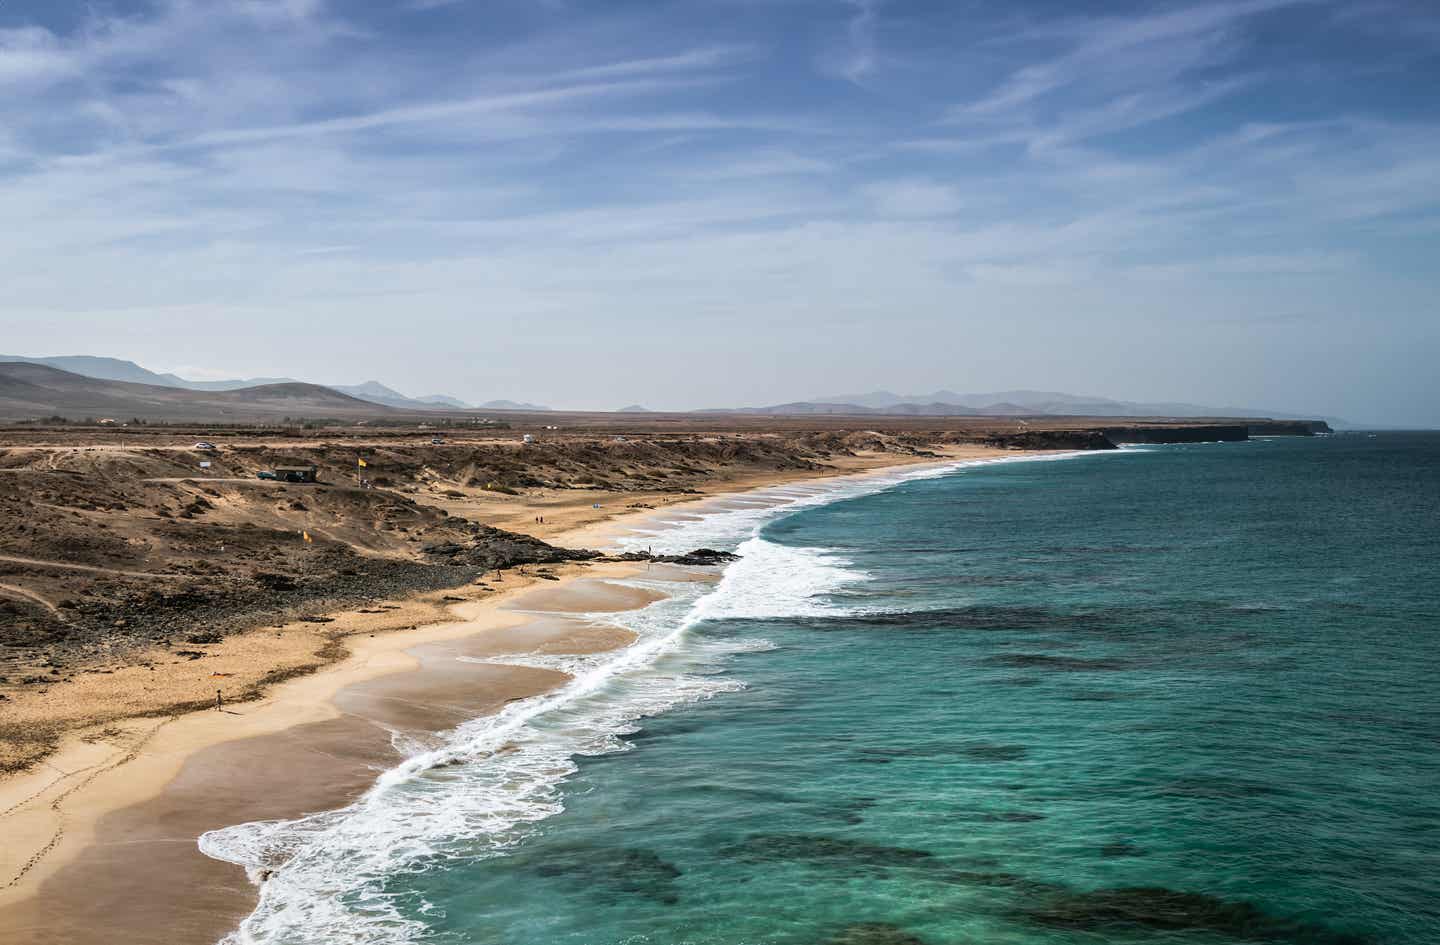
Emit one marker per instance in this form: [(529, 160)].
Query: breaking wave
[(477, 790)]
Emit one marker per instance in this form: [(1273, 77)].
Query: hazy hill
[(826, 408), (115, 369), (30, 390), (442, 400), (111, 369), (1033, 403), (510, 405), (378, 393), (936, 409)]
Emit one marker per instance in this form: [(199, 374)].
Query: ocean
[(1172, 694)]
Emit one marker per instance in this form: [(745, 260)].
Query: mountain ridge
[(117, 369), (1036, 403), (31, 390)]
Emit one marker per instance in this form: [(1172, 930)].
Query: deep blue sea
[(1181, 694)]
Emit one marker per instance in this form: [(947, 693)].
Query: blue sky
[(717, 202)]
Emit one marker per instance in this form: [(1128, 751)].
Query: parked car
[(437, 441), (265, 474), (203, 445)]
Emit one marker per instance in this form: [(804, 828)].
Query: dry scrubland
[(128, 574)]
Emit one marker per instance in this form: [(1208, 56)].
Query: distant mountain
[(1036, 403), (510, 405), (237, 384), (110, 369), (29, 390), (114, 369), (634, 408), (814, 408), (440, 400), (378, 393), (1076, 408)]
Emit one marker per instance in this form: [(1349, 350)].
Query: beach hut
[(297, 473)]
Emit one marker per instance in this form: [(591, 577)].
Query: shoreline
[(92, 804)]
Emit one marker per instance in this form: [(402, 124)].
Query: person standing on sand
[(218, 702)]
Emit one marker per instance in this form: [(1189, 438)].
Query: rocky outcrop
[(1213, 432), (494, 548), (700, 556), (1050, 440), (1201, 433), (1288, 427)]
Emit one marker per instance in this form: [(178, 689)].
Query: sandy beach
[(101, 837)]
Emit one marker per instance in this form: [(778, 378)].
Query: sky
[(734, 202)]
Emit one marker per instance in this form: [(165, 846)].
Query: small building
[(297, 473)]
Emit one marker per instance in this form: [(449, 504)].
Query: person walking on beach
[(218, 702)]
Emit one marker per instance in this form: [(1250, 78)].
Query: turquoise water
[(1185, 694)]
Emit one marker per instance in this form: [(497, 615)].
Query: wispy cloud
[(850, 50), (862, 58), (758, 164), (683, 167), (1113, 55), (692, 59), (913, 198)]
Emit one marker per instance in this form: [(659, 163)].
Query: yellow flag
[(362, 462), (306, 536)]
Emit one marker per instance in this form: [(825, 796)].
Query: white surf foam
[(727, 527), (472, 797), (328, 877)]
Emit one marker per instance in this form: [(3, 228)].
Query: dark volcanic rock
[(1051, 440), (700, 556), (874, 933), (1013, 817), (790, 847), (1216, 433), (275, 582), (966, 618), (632, 872), (985, 751), (1001, 880), (493, 548), (1160, 909), (1061, 663)]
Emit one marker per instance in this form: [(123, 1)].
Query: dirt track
[(91, 569)]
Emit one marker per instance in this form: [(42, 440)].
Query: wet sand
[(128, 868)]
